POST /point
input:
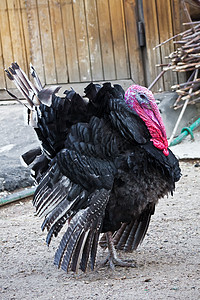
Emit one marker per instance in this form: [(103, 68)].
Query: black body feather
[(100, 172)]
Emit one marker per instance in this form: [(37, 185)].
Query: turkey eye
[(142, 99)]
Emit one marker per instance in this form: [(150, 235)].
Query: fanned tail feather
[(37, 160), (37, 81), (91, 91), (45, 95), (28, 157), (23, 84), (22, 77), (34, 94), (40, 166)]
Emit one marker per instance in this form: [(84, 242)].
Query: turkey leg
[(112, 258)]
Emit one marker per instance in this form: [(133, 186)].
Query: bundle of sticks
[(186, 58)]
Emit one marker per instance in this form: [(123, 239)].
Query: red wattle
[(161, 146), (166, 152), (152, 120)]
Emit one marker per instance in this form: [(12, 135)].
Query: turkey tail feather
[(20, 87), (23, 77), (28, 157), (35, 77), (34, 93)]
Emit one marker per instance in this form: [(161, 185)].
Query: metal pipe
[(17, 196), (185, 131)]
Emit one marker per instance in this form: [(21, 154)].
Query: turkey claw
[(115, 261)]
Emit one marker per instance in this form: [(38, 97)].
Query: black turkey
[(102, 166)]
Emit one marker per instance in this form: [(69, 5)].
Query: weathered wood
[(58, 41), (119, 39), (106, 40), (78, 87), (12, 7), (82, 40), (46, 42), (70, 40), (5, 38), (25, 32), (177, 20), (36, 57), (177, 16), (2, 74), (152, 39), (166, 31), (94, 40), (16, 38), (135, 53)]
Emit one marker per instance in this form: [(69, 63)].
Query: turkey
[(102, 165)]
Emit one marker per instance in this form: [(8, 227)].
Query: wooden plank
[(25, 32), (6, 38), (178, 17), (78, 87), (58, 41), (16, 38), (119, 40), (94, 40), (152, 39), (82, 40), (165, 32), (5, 97), (2, 73), (36, 57), (106, 40), (47, 43), (135, 53), (70, 40)]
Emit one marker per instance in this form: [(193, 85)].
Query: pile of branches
[(186, 58)]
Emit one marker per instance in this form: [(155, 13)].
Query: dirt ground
[(167, 261)]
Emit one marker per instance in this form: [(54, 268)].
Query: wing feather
[(127, 121), (87, 221)]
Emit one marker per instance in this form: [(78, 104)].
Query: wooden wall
[(87, 40)]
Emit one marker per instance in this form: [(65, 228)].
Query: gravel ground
[(167, 261), (15, 139)]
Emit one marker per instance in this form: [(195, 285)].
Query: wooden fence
[(88, 40)]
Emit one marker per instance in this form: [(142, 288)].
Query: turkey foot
[(112, 258)]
